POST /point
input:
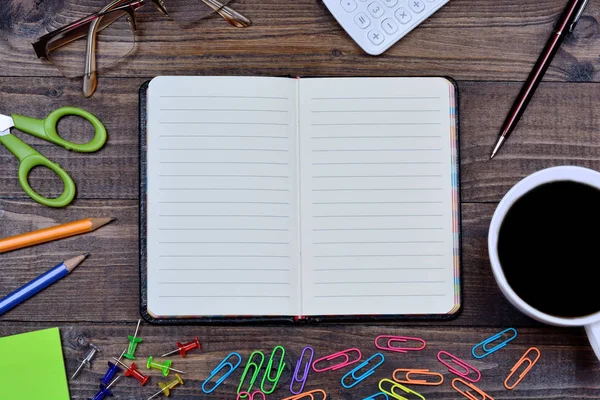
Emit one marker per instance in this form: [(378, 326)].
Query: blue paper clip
[(377, 396), (303, 379), (491, 339), (223, 364), (366, 374)]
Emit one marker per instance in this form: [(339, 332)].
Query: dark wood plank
[(567, 368), (560, 128), (485, 42), (106, 285)]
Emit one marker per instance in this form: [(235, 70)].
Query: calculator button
[(376, 37), (389, 26), (403, 15), (375, 9), (416, 5), (362, 20), (390, 3), (349, 5)]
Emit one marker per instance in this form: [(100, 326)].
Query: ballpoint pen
[(566, 25)]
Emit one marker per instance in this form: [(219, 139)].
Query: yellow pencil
[(52, 233)]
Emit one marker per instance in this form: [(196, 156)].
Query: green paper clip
[(257, 368), (280, 368)]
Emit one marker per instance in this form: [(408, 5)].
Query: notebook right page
[(379, 213)]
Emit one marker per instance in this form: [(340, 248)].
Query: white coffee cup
[(574, 174)]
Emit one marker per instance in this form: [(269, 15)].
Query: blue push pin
[(104, 391), (113, 369)]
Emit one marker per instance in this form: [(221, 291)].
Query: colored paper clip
[(249, 365), (364, 375), (343, 353), (491, 339), (267, 376), (457, 361), (394, 386), (399, 339), (377, 396), (253, 396), (469, 395), (308, 395), (523, 360), (410, 381), (303, 379), (222, 365)]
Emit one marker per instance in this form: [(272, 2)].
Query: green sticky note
[(33, 367)]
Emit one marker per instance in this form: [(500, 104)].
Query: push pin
[(86, 360), (167, 387), (133, 342), (113, 369), (164, 367), (104, 391), (185, 347), (133, 371)]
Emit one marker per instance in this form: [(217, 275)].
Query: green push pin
[(133, 342), (164, 367)]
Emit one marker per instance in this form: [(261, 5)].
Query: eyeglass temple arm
[(230, 15), (90, 80)]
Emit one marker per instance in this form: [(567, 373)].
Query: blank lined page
[(222, 198), (377, 196)]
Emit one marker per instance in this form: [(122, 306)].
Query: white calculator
[(377, 24)]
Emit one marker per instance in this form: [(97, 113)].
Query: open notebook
[(279, 197)]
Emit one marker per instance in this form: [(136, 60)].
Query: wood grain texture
[(488, 41), (488, 46)]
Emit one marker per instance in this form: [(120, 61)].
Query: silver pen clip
[(582, 7)]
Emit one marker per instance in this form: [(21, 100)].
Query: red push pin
[(132, 371), (185, 347)]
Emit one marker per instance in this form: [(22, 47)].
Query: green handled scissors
[(46, 129)]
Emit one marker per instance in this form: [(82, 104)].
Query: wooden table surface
[(488, 46)]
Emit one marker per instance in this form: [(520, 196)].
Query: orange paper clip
[(308, 395), (469, 395), (389, 346), (392, 391), (467, 368), (410, 381), (522, 361), (343, 353)]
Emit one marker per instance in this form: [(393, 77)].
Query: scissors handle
[(46, 129), (29, 158)]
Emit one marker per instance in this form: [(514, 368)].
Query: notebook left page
[(222, 229)]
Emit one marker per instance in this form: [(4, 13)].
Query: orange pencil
[(53, 233)]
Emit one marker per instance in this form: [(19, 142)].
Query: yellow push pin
[(167, 387)]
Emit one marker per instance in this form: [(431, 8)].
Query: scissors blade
[(6, 123)]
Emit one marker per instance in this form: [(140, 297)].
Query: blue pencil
[(40, 283)]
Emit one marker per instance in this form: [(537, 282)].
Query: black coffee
[(549, 248)]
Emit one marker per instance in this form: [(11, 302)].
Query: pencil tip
[(112, 219), (86, 255)]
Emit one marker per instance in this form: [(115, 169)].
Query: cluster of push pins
[(110, 377)]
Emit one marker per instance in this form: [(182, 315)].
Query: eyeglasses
[(102, 39)]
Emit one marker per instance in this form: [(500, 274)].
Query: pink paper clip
[(343, 353), (400, 339), (253, 396), (457, 361)]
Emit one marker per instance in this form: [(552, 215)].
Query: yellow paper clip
[(522, 361), (410, 381), (394, 386), (471, 386), (308, 395)]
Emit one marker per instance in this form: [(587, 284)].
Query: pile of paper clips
[(394, 388)]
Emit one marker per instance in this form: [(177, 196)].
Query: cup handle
[(593, 333)]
